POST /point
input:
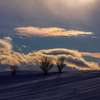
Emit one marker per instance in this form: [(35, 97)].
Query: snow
[(34, 85)]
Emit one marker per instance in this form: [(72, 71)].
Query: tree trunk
[(59, 71), (46, 73), (14, 73)]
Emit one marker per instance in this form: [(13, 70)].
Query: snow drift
[(73, 85)]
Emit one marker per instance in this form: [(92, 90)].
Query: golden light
[(86, 1)]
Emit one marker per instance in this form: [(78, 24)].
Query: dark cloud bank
[(68, 14)]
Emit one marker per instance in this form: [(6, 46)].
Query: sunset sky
[(30, 29)]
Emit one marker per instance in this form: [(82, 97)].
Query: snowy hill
[(71, 85)]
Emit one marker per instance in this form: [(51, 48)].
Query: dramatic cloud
[(95, 55), (53, 31), (73, 58), (59, 51), (70, 14), (81, 15)]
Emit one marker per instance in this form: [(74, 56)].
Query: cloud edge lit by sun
[(52, 31)]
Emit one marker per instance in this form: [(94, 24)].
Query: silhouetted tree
[(46, 64), (60, 63), (14, 69)]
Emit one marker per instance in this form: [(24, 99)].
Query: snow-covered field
[(71, 85)]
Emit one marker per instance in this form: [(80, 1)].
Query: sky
[(30, 29)]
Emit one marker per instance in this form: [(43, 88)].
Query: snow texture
[(34, 85)]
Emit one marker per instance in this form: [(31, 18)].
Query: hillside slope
[(73, 85)]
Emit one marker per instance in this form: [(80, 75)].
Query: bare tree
[(46, 64), (14, 69), (60, 63)]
